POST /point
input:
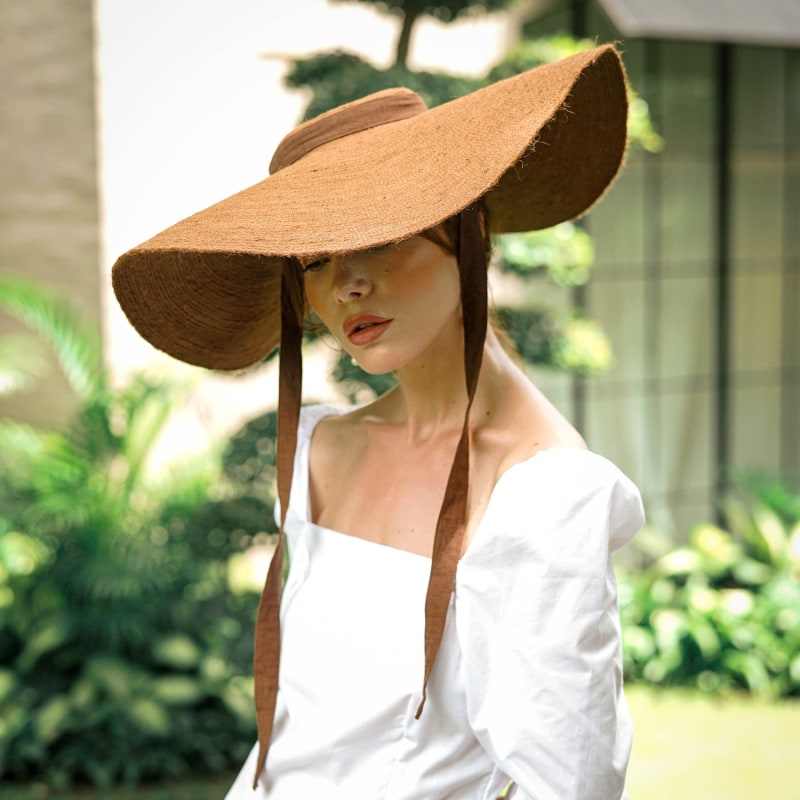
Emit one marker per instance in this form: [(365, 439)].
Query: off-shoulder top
[(527, 683)]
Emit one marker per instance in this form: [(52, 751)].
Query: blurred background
[(136, 492)]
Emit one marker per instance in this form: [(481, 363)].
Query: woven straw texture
[(541, 146)]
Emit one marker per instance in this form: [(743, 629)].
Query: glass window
[(757, 209), (619, 307), (758, 98), (684, 439), (688, 104), (686, 323), (756, 323), (687, 214), (755, 430), (618, 223)]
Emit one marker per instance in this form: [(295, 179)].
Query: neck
[(431, 398)]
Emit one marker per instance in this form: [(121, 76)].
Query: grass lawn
[(690, 747), (687, 747)]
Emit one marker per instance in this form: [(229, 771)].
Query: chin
[(375, 364), (375, 369)]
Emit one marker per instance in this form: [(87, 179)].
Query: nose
[(351, 280)]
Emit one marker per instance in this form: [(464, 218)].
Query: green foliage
[(340, 77), (543, 337), (781, 496), (409, 11), (22, 362), (566, 251), (443, 10), (721, 612), (76, 347), (125, 653)]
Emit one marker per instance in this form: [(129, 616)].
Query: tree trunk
[(410, 16)]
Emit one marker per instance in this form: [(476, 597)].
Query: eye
[(315, 265), (382, 248)]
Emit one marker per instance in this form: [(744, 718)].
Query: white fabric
[(527, 684)]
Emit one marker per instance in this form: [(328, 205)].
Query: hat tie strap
[(266, 661), (452, 520)]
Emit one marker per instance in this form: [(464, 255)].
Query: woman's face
[(390, 306)]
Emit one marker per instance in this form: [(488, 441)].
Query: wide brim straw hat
[(541, 147), (214, 289)]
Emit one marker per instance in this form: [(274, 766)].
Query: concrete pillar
[(49, 228)]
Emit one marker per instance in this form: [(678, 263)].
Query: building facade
[(698, 247)]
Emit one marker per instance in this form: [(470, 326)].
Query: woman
[(449, 620)]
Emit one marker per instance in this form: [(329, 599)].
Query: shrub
[(721, 612), (126, 654)]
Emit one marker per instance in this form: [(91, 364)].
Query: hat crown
[(379, 108)]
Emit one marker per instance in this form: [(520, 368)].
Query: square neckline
[(305, 471)]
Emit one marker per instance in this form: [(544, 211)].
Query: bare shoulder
[(333, 434), (340, 436)]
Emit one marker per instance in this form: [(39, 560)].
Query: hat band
[(380, 108)]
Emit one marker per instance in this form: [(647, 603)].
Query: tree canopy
[(442, 10)]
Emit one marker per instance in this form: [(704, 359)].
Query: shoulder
[(330, 429), (565, 499)]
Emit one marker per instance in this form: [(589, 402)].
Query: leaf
[(117, 677), (669, 626), (704, 635), (772, 532), (793, 546), (53, 633), (178, 651), (738, 602), (22, 363), (83, 695), (750, 572), (751, 669), (794, 670), (585, 348), (21, 554), (14, 718), (76, 347), (681, 561), (241, 704), (8, 683), (149, 715), (177, 690), (21, 444), (52, 719), (565, 251), (147, 412)]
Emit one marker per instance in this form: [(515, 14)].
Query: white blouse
[(527, 683)]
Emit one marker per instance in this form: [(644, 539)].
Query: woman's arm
[(537, 620)]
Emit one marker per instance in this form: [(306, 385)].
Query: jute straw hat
[(541, 146), (213, 290)]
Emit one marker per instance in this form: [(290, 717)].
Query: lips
[(365, 328)]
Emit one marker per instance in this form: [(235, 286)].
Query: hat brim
[(541, 147)]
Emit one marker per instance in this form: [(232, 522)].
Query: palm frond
[(21, 444), (22, 363), (76, 347), (144, 406)]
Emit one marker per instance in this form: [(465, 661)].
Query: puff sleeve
[(537, 622)]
